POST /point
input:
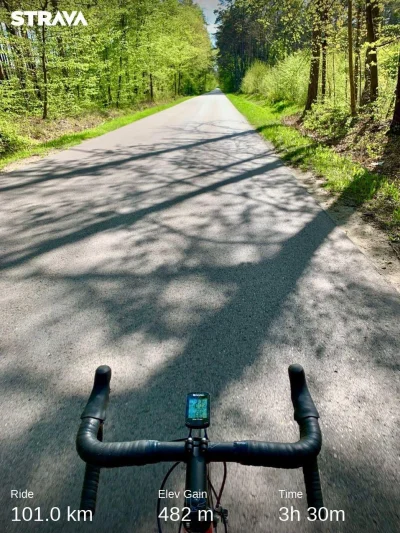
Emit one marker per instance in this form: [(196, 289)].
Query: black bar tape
[(98, 400), (301, 397), (278, 455), (313, 484), (89, 490), (273, 454), (115, 454)]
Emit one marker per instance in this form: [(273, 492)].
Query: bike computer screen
[(198, 410)]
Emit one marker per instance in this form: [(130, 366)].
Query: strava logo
[(45, 18)]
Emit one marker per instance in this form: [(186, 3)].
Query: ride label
[(23, 494)]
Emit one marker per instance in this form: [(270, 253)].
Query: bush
[(253, 80), (328, 121), (10, 140), (288, 80)]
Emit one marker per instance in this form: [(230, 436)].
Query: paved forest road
[(180, 251)]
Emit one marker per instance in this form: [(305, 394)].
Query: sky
[(208, 7)]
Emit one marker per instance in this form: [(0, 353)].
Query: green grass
[(72, 139), (342, 175)]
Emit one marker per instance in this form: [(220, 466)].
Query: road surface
[(182, 252)]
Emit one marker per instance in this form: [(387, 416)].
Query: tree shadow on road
[(221, 295)]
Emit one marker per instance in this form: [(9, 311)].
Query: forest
[(330, 67), (314, 53), (325, 75), (131, 52)]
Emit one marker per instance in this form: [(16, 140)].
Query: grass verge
[(74, 138), (342, 175)]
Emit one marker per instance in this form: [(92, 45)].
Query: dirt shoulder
[(367, 225), (368, 144), (354, 176), (357, 225)]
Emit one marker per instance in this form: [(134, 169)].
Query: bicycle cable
[(159, 499), (219, 496)]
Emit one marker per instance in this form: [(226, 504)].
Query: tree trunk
[(351, 71), (151, 88), (17, 57), (323, 69), (334, 79), (365, 97), (30, 64), (236, 82), (119, 81), (395, 125), (324, 47), (3, 69), (312, 93), (108, 95), (44, 68), (356, 77), (357, 65), (371, 60), (61, 50), (122, 50)]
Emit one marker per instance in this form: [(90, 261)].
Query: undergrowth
[(349, 179), (15, 146)]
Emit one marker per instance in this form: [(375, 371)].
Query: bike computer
[(198, 410)]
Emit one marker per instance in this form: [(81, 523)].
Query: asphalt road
[(182, 252)]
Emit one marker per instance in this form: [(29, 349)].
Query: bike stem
[(196, 484)]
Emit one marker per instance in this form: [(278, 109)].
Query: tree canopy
[(351, 47), (130, 51)]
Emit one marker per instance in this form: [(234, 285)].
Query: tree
[(370, 93), (395, 124), (312, 93), (130, 51), (350, 57), (251, 30), (357, 64)]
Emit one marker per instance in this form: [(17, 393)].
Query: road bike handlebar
[(98, 454)]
